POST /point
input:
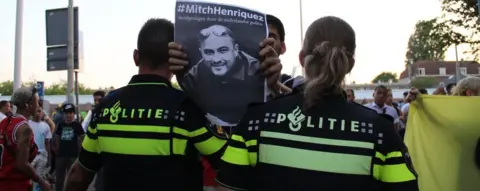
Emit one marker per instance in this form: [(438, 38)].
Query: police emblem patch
[(217, 130)]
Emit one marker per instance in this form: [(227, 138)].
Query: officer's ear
[(301, 58), (283, 48), (136, 58)]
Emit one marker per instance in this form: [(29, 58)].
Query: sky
[(110, 29)]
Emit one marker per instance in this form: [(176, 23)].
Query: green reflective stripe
[(211, 145), (253, 158), (142, 128), (315, 160), (90, 145), (236, 156), (251, 143), (198, 132), (238, 138), (147, 83), (316, 140), (393, 173), (389, 155)]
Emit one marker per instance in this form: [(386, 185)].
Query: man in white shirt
[(42, 135), (380, 96), (5, 108), (97, 96)]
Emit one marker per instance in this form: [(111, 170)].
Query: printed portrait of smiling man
[(223, 75)]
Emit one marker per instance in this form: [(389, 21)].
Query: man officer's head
[(218, 48)]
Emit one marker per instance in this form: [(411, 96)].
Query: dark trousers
[(62, 166)]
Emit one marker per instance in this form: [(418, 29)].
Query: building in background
[(443, 71)]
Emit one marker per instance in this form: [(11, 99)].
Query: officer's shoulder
[(276, 101), (369, 113), (361, 107)]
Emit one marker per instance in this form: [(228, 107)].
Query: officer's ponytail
[(328, 57)]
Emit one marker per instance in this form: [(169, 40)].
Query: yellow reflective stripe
[(236, 156), (210, 146), (179, 146), (198, 132), (133, 146), (253, 158), (393, 173), (251, 143), (389, 155), (91, 130), (238, 138), (90, 145), (142, 128), (315, 160)]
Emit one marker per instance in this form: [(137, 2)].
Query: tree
[(60, 88), (428, 41), (462, 19), (424, 82), (385, 77)]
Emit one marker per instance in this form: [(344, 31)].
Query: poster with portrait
[(222, 44)]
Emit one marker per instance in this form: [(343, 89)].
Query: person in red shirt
[(17, 146)]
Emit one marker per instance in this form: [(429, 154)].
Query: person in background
[(449, 88), (68, 138), (5, 109), (440, 91), (406, 107), (391, 103), (276, 30), (380, 97), (42, 134), (16, 172), (97, 96), (350, 95)]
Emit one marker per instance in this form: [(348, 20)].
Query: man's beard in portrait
[(219, 68)]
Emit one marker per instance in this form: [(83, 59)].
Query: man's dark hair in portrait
[(223, 67)]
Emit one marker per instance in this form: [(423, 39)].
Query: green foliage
[(385, 77), (424, 82), (429, 41), (60, 88), (462, 18)]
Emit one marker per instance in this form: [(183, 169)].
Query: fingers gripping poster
[(222, 44)]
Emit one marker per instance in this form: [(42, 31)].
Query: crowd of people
[(148, 135)]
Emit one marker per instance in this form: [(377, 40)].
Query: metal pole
[(76, 96), (301, 30), (301, 23), (17, 68), (457, 65), (478, 7), (70, 54)]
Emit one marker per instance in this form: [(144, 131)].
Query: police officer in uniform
[(146, 135), (314, 139)]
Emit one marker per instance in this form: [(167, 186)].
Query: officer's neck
[(159, 72)]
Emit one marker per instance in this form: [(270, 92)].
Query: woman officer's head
[(327, 56)]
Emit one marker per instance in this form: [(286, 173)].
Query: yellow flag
[(442, 133)]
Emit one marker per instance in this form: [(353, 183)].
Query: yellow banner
[(442, 133)]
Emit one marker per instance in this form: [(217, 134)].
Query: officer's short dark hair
[(152, 43), (351, 91), (277, 23), (100, 93), (380, 87)]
